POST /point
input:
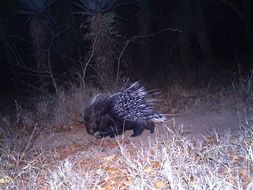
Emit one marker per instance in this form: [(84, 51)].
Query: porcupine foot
[(111, 131), (138, 128)]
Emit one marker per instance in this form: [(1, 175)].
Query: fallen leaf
[(148, 170), (5, 179), (198, 158), (244, 172), (155, 164), (191, 178), (108, 186), (234, 157), (160, 184), (111, 171), (211, 140), (110, 158)]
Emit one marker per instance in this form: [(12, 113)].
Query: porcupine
[(127, 109)]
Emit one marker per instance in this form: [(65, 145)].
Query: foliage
[(104, 26), (36, 6), (96, 6)]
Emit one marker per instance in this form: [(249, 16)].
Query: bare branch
[(92, 53), (234, 7), (141, 37), (49, 54)]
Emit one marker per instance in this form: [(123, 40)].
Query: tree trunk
[(102, 49), (185, 39), (40, 34), (144, 29), (248, 24), (201, 34)]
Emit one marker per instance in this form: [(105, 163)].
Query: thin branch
[(234, 7), (49, 54), (141, 37), (92, 53), (49, 65)]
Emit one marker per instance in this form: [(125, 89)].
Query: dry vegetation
[(219, 160), (170, 161)]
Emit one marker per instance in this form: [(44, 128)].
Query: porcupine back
[(133, 103)]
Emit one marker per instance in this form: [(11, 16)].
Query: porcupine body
[(127, 109)]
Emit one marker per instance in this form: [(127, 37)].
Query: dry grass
[(169, 161), (63, 109), (51, 112), (222, 161)]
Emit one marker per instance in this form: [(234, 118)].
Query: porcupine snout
[(92, 120), (89, 123)]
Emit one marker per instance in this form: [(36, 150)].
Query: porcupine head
[(95, 113)]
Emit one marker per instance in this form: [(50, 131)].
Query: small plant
[(34, 6), (103, 31)]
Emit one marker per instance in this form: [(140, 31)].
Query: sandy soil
[(194, 122)]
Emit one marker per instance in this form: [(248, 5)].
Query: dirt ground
[(193, 122)]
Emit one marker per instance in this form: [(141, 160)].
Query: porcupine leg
[(138, 128), (116, 133), (102, 134), (111, 128), (116, 128), (108, 131), (150, 126)]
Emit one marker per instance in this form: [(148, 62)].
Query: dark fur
[(127, 109), (103, 122)]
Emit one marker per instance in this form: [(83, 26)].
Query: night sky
[(47, 45)]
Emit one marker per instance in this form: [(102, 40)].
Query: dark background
[(46, 46)]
